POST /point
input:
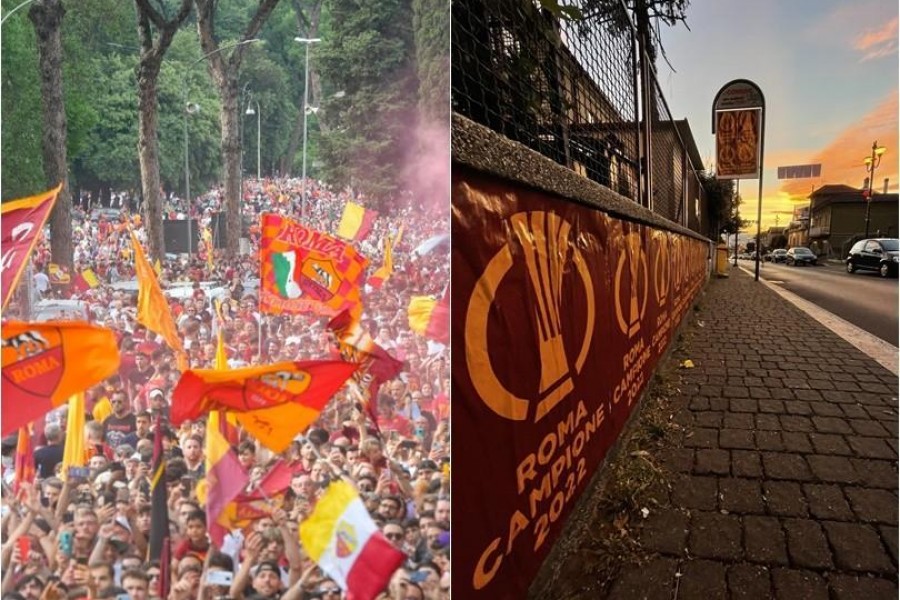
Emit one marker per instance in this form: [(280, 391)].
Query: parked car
[(779, 255), (800, 256), (879, 254)]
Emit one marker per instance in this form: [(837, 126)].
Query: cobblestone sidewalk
[(783, 477)]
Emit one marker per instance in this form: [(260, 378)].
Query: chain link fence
[(570, 90)]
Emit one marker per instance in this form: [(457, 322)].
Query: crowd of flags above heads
[(302, 271)]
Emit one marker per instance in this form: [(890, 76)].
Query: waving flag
[(21, 223), (225, 477), (304, 270), (153, 310), (430, 317), (345, 542), (272, 402), (46, 363), (376, 365), (356, 222), (386, 269)]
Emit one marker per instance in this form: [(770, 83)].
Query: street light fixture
[(308, 42), (10, 13), (258, 113), (192, 108), (872, 161)]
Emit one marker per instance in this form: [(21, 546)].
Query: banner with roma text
[(560, 314), (21, 223), (44, 364), (303, 270)]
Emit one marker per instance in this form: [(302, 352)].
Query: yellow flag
[(73, 454), (157, 266), (153, 309)]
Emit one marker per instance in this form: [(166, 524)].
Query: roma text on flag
[(430, 317), (345, 542), (153, 310), (225, 477), (356, 222), (46, 363), (304, 270), (387, 267), (272, 402), (19, 228)]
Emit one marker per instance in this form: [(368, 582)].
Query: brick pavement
[(784, 475)]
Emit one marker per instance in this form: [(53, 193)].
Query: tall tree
[(224, 72), (431, 27), (369, 53), (156, 34), (47, 16)]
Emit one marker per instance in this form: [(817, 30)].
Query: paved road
[(863, 298)]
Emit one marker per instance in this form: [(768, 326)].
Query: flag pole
[(259, 293)]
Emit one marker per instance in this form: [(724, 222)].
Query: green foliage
[(431, 24), (22, 164), (723, 206), (368, 52)]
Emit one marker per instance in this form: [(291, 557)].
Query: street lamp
[(258, 113), (872, 161), (308, 42), (192, 108), (10, 13)]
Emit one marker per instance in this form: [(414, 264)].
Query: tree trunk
[(148, 152), (47, 15), (231, 154)]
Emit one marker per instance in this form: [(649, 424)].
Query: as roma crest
[(346, 541), (33, 361), (320, 279)]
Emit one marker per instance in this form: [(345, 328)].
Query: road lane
[(862, 298)]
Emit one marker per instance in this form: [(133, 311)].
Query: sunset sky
[(829, 73)]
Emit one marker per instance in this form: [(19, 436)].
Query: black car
[(800, 256), (879, 254), (779, 256)]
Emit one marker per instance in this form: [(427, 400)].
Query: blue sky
[(829, 73)]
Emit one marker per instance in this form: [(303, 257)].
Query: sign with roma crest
[(560, 313), (46, 363), (304, 270)]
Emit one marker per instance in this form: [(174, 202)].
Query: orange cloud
[(842, 160), (878, 43)]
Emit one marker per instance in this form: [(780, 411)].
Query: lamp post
[(10, 13), (872, 161), (308, 42), (191, 108), (257, 112)]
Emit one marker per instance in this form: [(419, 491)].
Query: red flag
[(225, 477), (272, 402), (376, 365), (21, 223), (46, 363)]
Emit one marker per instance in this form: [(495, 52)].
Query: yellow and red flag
[(225, 477), (46, 363), (387, 267), (356, 222), (272, 402), (304, 270), (21, 223), (430, 317), (153, 310)]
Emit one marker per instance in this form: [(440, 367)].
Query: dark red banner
[(560, 314)]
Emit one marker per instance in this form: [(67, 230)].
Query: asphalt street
[(862, 298)]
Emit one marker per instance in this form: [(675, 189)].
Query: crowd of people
[(85, 532)]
